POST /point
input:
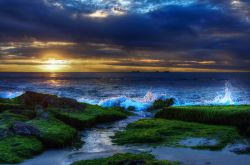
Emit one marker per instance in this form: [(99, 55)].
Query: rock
[(4, 133), (240, 148), (45, 100), (131, 108), (21, 128), (39, 110), (40, 113), (194, 142), (44, 116)]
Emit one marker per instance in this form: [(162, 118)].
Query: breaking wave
[(10, 94), (122, 101), (225, 97), (140, 104)]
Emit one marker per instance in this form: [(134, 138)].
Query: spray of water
[(149, 97), (225, 99), (10, 94)]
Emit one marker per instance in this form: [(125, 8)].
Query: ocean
[(133, 89)]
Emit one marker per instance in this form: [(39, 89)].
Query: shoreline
[(48, 116)]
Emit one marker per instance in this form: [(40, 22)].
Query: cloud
[(190, 30)]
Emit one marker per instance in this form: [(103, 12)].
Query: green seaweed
[(54, 133), (223, 115), (126, 158), (171, 132), (90, 116), (15, 149), (7, 119)]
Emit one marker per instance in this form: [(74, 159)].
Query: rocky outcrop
[(45, 100), (21, 128)]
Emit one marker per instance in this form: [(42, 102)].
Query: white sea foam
[(138, 103), (225, 98), (10, 94)]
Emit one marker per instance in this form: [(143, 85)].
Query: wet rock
[(240, 148), (30, 98), (245, 150), (21, 128), (193, 142), (4, 133), (44, 116), (40, 113), (131, 108)]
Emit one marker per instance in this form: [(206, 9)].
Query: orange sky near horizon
[(52, 58)]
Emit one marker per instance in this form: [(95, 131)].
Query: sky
[(124, 35)]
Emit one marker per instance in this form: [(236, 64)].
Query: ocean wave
[(10, 94), (226, 96)]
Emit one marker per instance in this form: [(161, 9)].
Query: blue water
[(133, 89)]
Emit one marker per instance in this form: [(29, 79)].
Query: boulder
[(30, 98), (21, 128)]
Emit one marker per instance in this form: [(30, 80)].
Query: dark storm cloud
[(190, 30)]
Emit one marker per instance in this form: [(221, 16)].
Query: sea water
[(138, 90), (133, 89)]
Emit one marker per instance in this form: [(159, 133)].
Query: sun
[(53, 65)]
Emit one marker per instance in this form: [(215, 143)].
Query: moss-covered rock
[(11, 106), (15, 149), (32, 114), (90, 116), (7, 119), (223, 115), (24, 129), (161, 103), (126, 159), (32, 99), (54, 133), (171, 133)]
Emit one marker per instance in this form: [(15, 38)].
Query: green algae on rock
[(54, 133), (161, 103), (125, 159), (223, 115), (172, 133), (15, 149), (48, 117), (88, 117)]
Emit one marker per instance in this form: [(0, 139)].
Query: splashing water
[(225, 99), (9, 94), (145, 102), (149, 97), (139, 104)]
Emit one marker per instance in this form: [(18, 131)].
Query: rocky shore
[(34, 122)]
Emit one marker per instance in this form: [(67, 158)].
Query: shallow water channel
[(98, 144)]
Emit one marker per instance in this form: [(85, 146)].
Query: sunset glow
[(53, 65), (161, 76), (124, 35)]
